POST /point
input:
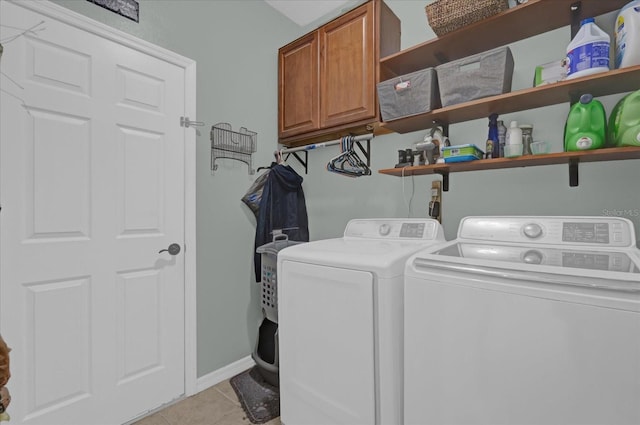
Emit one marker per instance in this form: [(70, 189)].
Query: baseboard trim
[(226, 372)]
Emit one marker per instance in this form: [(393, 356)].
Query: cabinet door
[(298, 98), (347, 87)]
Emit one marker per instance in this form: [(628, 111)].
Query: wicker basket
[(445, 16)]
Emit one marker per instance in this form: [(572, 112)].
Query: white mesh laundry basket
[(269, 257)]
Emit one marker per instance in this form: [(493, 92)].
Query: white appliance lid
[(451, 270), (604, 260), (386, 259), (595, 269), (596, 252), (381, 246)]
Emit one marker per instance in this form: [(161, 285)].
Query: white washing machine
[(525, 320), (340, 323)]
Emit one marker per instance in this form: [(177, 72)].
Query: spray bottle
[(493, 142), (502, 136)]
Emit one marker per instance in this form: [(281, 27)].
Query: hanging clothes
[(254, 195), (282, 207)]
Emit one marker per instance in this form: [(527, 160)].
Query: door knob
[(174, 249)]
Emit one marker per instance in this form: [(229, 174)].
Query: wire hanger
[(348, 163), (32, 31)]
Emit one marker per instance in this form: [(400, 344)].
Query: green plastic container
[(624, 122), (586, 125)]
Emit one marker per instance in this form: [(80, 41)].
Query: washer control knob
[(532, 230), (384, 229), (532, 257)]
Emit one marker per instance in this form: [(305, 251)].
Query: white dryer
[(340, 323), (525, 320)]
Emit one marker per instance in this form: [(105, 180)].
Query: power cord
[(404, 197)]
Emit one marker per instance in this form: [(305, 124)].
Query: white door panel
[(92, 186)]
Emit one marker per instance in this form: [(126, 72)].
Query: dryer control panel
[(395, 229), (610, 232)]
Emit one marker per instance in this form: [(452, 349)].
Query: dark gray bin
[(410, 94), (266, 353), (474, 77), (269, 282)]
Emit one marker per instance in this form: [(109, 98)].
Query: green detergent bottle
[(586, 125), (624, 122)]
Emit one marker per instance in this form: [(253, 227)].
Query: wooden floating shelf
[(609, 154), (517, 23), (612, 82)]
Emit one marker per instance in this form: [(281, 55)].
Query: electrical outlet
[(435, 201)]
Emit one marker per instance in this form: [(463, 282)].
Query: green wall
[(235, 43)]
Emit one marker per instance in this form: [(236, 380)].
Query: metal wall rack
[(357, 139), (238, 145)]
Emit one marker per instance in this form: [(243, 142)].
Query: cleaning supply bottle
[(527, 138), (493, 145), (514, 134), (624, 121), (502, 136), (627, 35), (586, 125), (588, 52)]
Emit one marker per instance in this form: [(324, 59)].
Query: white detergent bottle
[(514, 134), (627, 35), (588, 52)]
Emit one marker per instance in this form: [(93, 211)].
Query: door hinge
[(186, 122)]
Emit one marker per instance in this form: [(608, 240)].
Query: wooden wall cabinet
[(299, 87), (327, 78)]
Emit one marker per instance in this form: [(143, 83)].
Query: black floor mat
[(259, 399)]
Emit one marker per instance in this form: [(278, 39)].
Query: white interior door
[(92, 188)]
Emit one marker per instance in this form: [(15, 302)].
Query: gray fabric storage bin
[(474, 77), (409, 94)]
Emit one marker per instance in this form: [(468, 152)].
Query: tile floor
[(217, 405)]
